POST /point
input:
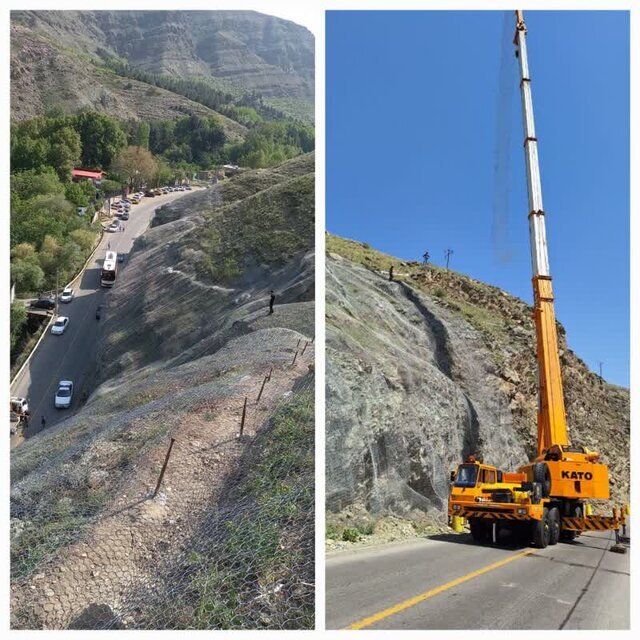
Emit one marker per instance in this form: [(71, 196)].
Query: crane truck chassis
[(545, 500)]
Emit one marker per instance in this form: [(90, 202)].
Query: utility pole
[(447, 255), (600, 367)]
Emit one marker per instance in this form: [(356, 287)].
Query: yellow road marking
[(381, 615)]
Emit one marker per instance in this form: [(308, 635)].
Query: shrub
[(350, 535)]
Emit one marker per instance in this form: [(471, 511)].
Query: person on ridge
[(271, 301)]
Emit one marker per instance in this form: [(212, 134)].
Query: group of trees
[(272, 143), (46, 234), (194, 140), (89, 139), (246, 108), (47, 237)]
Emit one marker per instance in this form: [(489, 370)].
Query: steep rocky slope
[(228, 541), (203, 273), (246, 50), (45, 74), (436, 365)]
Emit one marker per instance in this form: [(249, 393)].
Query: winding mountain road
[(449, 582), (72, 354)]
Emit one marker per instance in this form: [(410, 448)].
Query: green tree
[(135, 166), (162, 136), (102, 139), (35, 182), (142, 135), (17, 321), (110, 187), (27, 275), (64, 151), (164, 174), (23, 251), (77, 195), (84, 239)]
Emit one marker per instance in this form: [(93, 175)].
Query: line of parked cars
[(160, 191)]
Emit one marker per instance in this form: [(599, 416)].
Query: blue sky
[(412, 100)]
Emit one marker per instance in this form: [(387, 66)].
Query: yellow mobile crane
[(543, 500)]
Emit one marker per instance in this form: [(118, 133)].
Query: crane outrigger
[(543, 500)]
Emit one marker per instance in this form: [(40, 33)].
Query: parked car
[(43, 303), (64, 394), (59, 325), (114, 226), (19, 405), (149, 194), (188, 188), (66, 295), (124, 215)]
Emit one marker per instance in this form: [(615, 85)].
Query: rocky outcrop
[(254, 52)]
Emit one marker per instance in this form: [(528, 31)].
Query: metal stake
[(304, 348), (244, 414), (294, 357), (262, 388), (164, 468)]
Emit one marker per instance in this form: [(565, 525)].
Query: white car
[(114, 226), (59, 325), (64, 394), (66, 295)]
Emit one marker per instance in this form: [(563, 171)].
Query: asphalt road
[(72, 354), (448, 582)]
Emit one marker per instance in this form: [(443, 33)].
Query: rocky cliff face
[(434, 366), (255, 52), (44, 75)]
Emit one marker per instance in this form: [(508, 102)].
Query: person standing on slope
[(391, 273), (271, 301)]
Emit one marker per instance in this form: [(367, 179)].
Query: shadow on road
[(505, 541)]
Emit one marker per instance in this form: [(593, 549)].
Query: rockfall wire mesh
[(228, 541)]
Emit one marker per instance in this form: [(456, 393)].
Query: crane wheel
[(478, 529), (542, 475), (541, 534), (554, 524)]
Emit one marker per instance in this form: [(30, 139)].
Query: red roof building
[(87, 174)]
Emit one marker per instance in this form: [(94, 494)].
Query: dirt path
[(84, 585)]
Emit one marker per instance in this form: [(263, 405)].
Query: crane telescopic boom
[(545, 498), (552, 423)]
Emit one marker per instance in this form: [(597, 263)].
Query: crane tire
[(542, 475), (554, 524), (478, 529), (541, 533)]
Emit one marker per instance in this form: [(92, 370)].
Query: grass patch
[(265, 548), (264, 228)]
